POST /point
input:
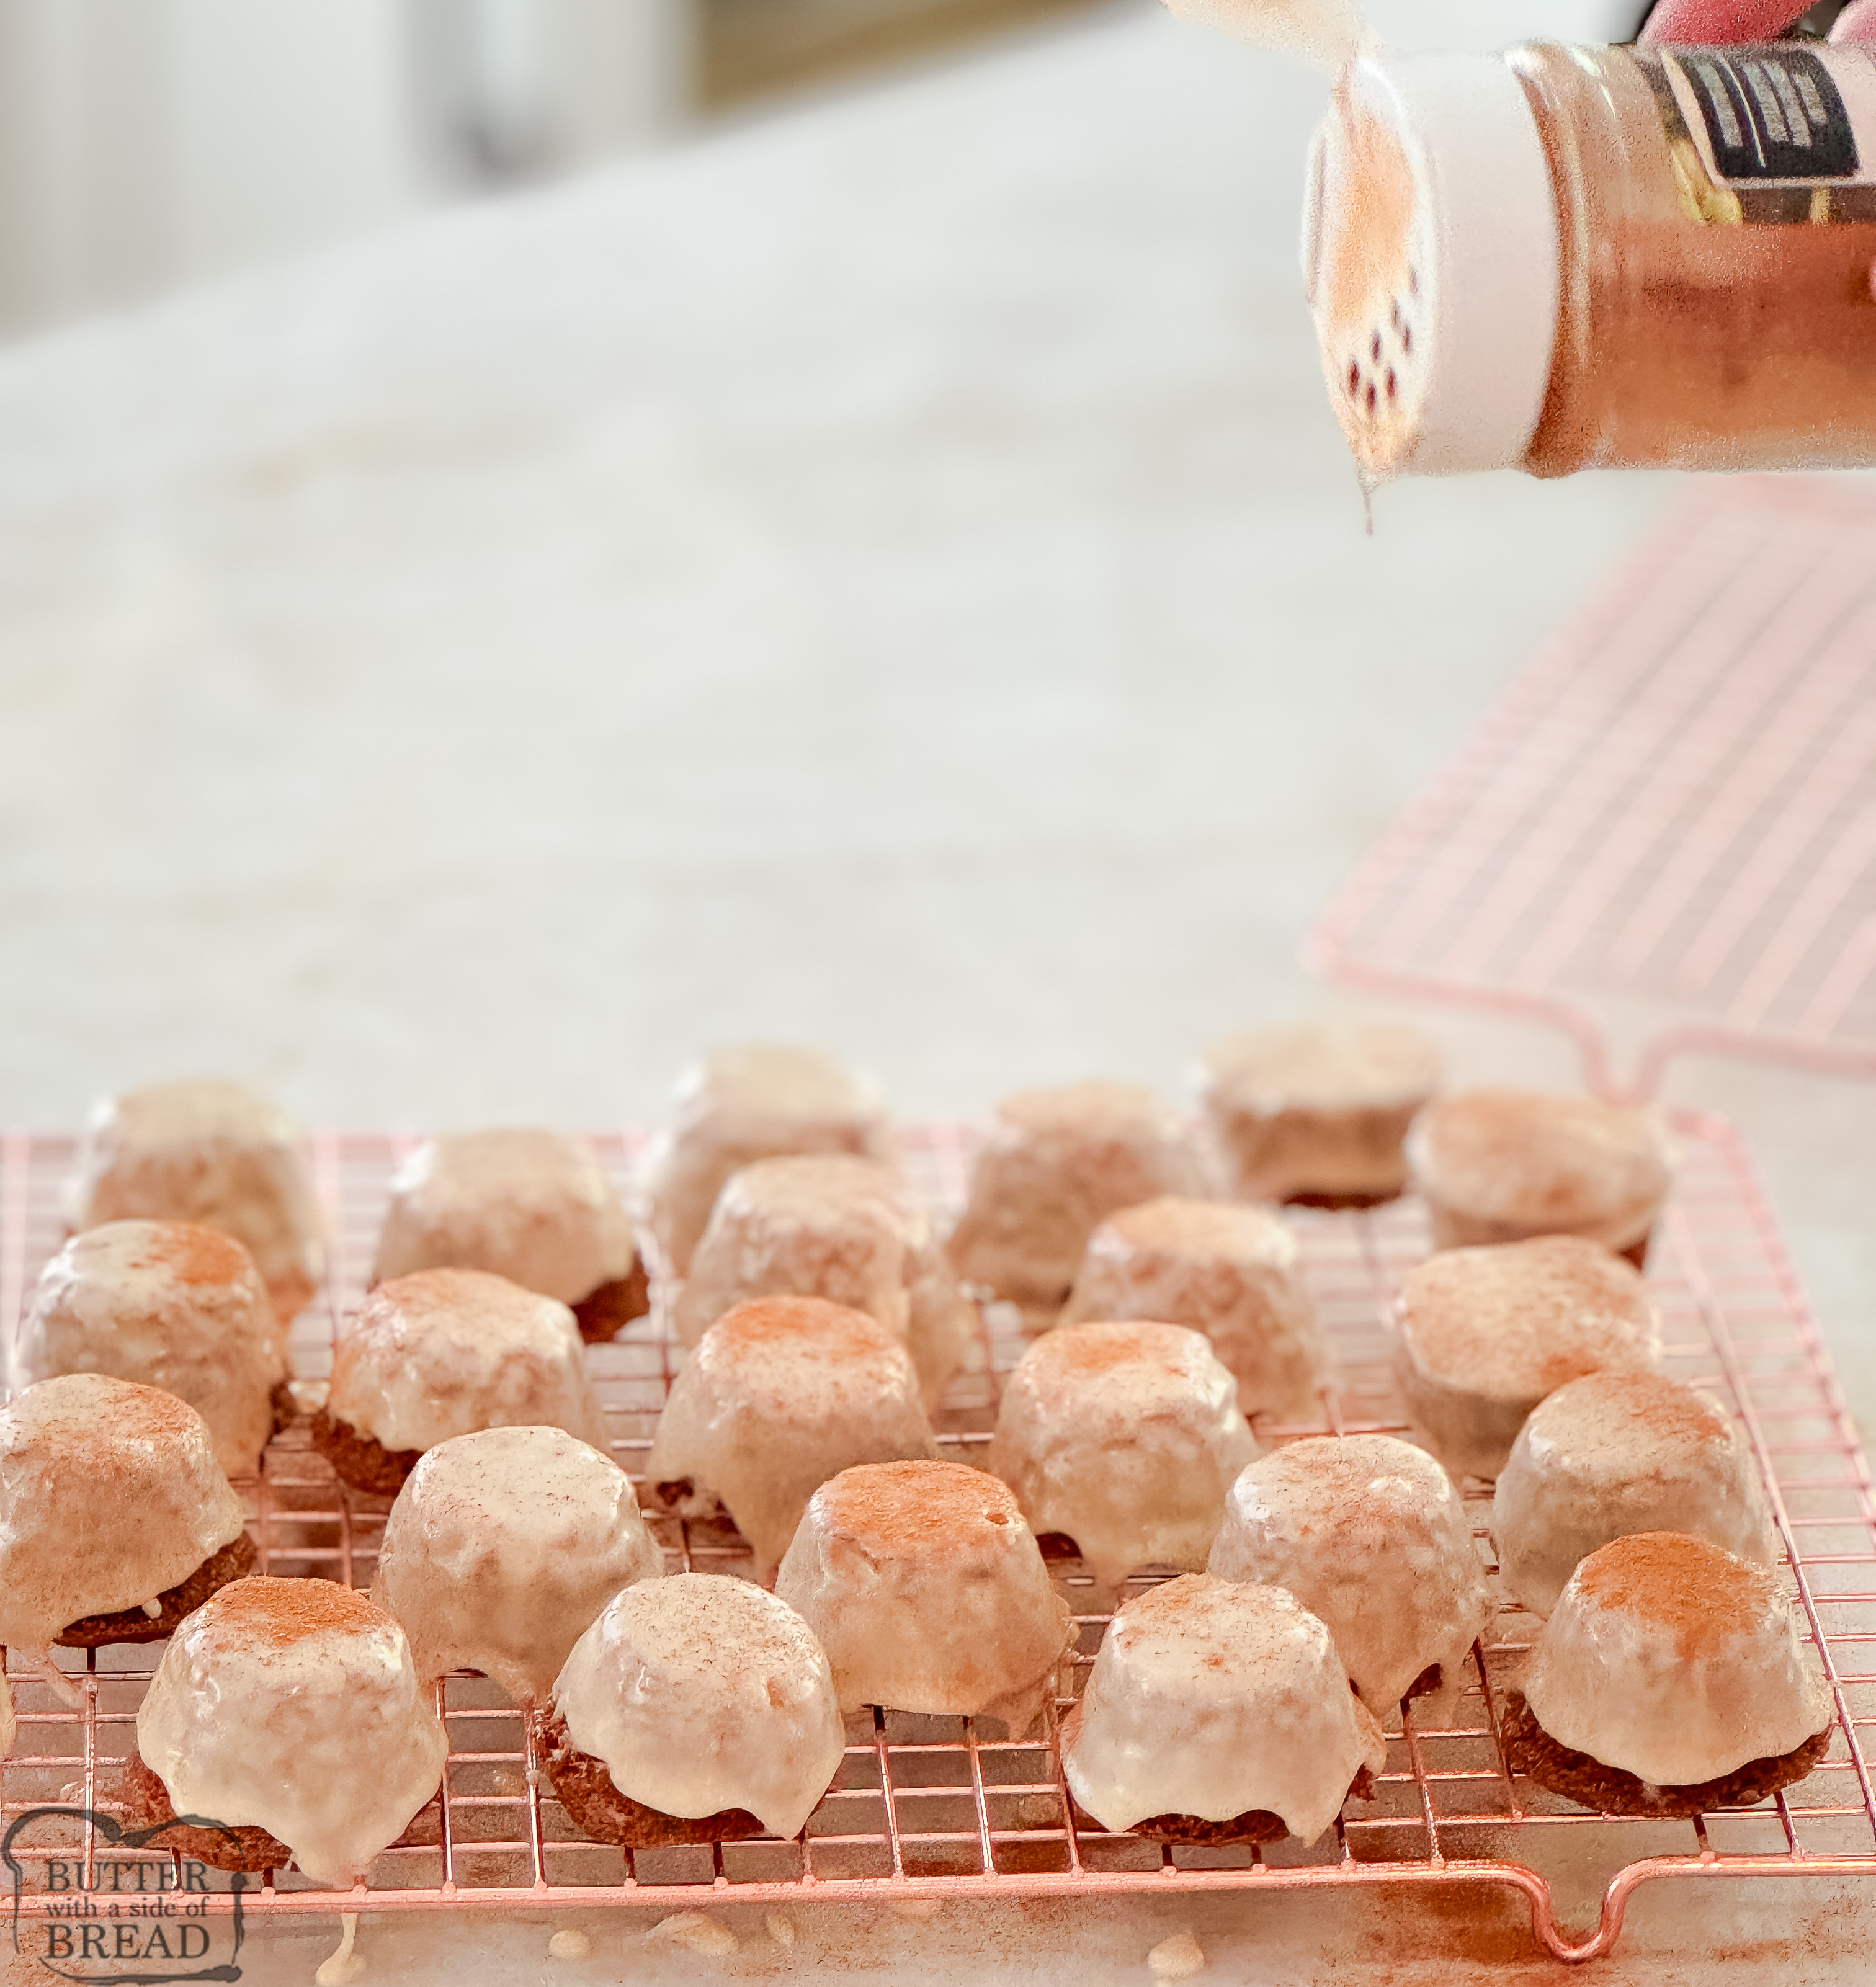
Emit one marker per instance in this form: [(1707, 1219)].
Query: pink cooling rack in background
[(931, 1808), (1662, 838)]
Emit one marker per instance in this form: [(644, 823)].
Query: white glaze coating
[(1674, 1660), (757, 1101), (167, 1304), (1369, 1534), (211, 1151), (503, 1547), (1215, 1699), (1482, 1334), (445, 1352), (831, 1225), (1317, 1107), (1056, 1163), (928, 1592), (109, 1496), (781, 1394), (1126, 1437), (1230, 1271), (1497, 1166), (1614, 1453), (530, 1206), (702, 1693), (293, 1705)]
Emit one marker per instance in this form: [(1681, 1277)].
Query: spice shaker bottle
[(1558, 258)]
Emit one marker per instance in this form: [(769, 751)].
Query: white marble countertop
[(885, 574)]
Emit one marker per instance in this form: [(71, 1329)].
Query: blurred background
[(145, 143), (537, 535)]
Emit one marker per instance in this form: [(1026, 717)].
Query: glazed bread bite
[(780, 1394), (694, 1709), (1218, 1713), (1616, 1453), (848, 1230), (1317, 1111), (758, 1101), (502, 1549), (115, 1519), (928, 1592), (1482, 1335), (214, 1153), (1228, 1270), (1498, 1165), (1369, 1534), (530, 1206), (167, 1304), (443, 1353), (1124, 1439), (1056, 1164), (289, 1712), (1670, 1679)]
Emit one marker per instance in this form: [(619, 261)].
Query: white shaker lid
[(1430, 255)]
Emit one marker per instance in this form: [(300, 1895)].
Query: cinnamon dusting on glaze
[(1105, 1347), (274, 1613), (1541, 1163), (834, 1331), (1704, 1596), (1517, 1320), (196, 1255), (920, 1504), (1229, 1229)]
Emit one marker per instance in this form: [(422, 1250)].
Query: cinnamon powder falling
[(1327, 32)]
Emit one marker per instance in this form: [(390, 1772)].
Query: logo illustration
[(127, 1922)]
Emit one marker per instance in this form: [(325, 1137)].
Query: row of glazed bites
[(776, 1177), (1100, 1181), (1126, 1434), (693, 1708), (844, 1226), (148, 1291), (1096, 1200), (198, 1239), (1121, 1440), (1628, 1509), (294, 1715), (1320, 1111), (528, 1205), (175, 1182), (1124, 1442), (916, 1585), (1158, 1508)]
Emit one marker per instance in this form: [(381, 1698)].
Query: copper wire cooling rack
[(929, 1808), (1664, 833)]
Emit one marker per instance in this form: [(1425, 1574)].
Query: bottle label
[(1768, 132)]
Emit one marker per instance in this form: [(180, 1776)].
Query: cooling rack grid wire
[(927, 1807), (1663, 834)]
